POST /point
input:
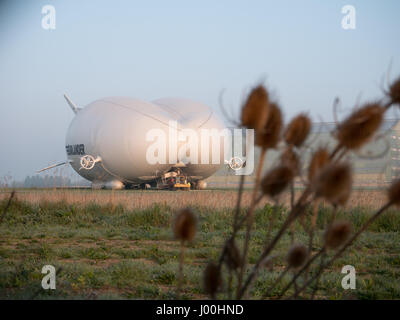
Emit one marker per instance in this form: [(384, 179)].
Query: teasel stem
[(180, 272), (7, 206), (234, 233), (305, 267), (292, 195), (236, 224), (291, 208), (313, 224), (314, 218), (321, 264), (297, 210), (230, 277), (239, 200), (280, 277), (335, 151), (250, 219), (271, 223), (345, 246), (388, 104)]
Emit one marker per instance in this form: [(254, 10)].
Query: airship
[(112, 143)]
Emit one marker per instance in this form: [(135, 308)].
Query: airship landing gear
[(199, 185), (174, 180), (145, 186)]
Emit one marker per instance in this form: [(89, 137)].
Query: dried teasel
[(394, 193), (337, 234), (360, 126), (185, 225), (297, 255), (255, 110), (334, 182), (297, 130), (232, 257), (269, 137), (318, 161), (290, 158), (277, 180), (212, 279), (394, 91)]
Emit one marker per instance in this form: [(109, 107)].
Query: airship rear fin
[(53, 166), (73, 106)]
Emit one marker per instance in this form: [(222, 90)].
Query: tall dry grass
[(217, 199)]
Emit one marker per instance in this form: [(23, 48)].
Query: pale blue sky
[(191, 49)]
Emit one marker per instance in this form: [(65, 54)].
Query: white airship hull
[(113, 131)]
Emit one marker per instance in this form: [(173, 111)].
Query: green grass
[(108, 252)]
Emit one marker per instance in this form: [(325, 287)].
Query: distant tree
[(46, 181)]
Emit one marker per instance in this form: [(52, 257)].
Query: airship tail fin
[(73, 106), (53, 166)]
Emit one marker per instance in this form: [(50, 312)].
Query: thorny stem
[(271, 223), (345, 246), (275, 283), (297, 210), (236, 225), (291, 208), (230, 284), (239, 199), (7, 206), (335, 151), (388, 104), (234, 233), (250, 219), (180, 274), (321, 264), (305, 267), (312, 230)]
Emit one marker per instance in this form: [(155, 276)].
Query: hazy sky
[(191, 49)]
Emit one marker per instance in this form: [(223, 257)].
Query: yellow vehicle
[(179, 183)]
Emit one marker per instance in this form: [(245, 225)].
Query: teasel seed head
[(318, 161), (232, 257), (337, 234), (255, 110), (212, 279), (334, 181), (185, 225), (270, 135), (297, 255), (290, 158), (394, 193), (277, 180), (297, 130), (360, 126), (394, 91)]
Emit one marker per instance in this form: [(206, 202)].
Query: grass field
[(120, 245)]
